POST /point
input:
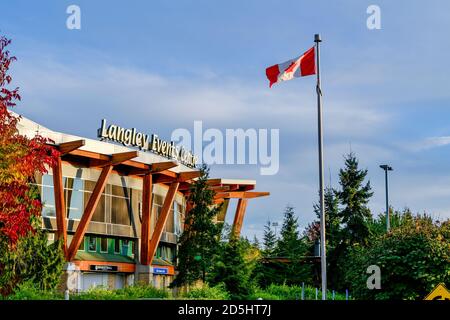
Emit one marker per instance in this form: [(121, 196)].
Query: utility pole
[(387, 168)]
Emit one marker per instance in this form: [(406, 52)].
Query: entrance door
[(92, 280)]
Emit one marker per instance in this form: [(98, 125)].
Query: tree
[(296, 269), (270, 239), (288, 241), (20, 159), (256, 243), (33, 261), (199, 241), (354, 196), (413, 257), (234, 267), (332, 233)]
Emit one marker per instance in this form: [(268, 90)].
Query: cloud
[(429, 143), (73, 98)]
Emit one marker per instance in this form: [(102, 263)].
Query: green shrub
[(29, 291), (142, 292), (413, 258), (208, 293), (127, 293), (284, 292)]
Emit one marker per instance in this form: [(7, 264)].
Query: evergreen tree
[(34, 261), (332, 217), (256, 243), (234, 268), (333, 234), (199, 241), (289, 235), (295, 270), (354, 197), (270, 239)]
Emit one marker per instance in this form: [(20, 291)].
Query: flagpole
[(323, 255)]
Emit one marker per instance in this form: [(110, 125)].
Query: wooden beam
[(165, 210), (138, 172), (90, 154), (113, 160), (233, 194), (153, 168), (67, 147), (223, 209), (118, 158), (220, 189), (60, 206), (214, 182), (146, 218), (188, 175), (104, 157), (164, 179), (239, 217), (241, 194), (88, 212), (161, 166)]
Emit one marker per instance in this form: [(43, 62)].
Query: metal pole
[(323, 259), (388, 222)]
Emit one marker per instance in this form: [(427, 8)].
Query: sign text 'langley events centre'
[(131, 137)]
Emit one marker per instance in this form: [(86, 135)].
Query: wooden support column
[(239, 217), (58, 189), (167, 205), (146, 218), (88, 212)]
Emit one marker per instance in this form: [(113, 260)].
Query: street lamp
[(387, 168), (275, 224)]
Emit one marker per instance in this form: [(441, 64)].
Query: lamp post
[(387, 168), (275, 224)]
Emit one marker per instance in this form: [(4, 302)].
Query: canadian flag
[(301, 66)]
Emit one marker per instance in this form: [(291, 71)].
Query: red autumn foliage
[(21, 158)]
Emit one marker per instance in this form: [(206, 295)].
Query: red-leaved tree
[(20, 158)]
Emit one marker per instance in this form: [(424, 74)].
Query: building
[(120, 209)]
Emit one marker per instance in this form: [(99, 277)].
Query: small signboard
[(160, 270), (440, 292), (104, 268)]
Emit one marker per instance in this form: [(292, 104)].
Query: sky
[(162, 65)]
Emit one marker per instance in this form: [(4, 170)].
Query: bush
[(127, 293), (284, 292), (29, 291), (413, 258), (208, 293)]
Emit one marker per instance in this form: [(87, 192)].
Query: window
[(99, 213), (120, 205), (81, 247), (47, 196), (73, 189), (116, 246), (125, 244), (92, 244), (104, 245)]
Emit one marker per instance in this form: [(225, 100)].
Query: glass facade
[(114, 206)]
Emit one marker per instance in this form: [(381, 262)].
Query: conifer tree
[(199, 241), (270, 239), (354, 197), (256, 243), (332, 217), (289, 235)]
